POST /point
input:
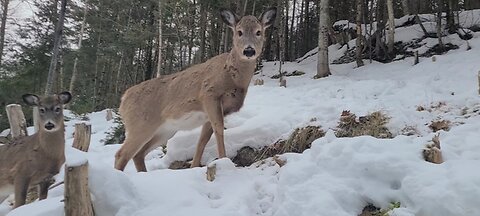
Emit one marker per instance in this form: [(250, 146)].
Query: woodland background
[(109, 45)]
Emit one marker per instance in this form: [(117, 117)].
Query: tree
[(323, 69), (391, 27), (75, 62), (52, 73), (159, 60), (358, 44), (3, 24)]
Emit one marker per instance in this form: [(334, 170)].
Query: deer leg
[(215, 114), (202, 142), (21, 189), (159, 139), (129, 149), (43, 190)]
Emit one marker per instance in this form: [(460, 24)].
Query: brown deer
[(34, 160), (154, 110)]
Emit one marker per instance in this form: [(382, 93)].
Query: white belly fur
[(188, 121)]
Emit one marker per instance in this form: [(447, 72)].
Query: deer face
[(50, 109), (248, 32)]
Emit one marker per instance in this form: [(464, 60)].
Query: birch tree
[(323, 69), (79, 45), (358, 42)]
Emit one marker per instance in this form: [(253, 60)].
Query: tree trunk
[(391, 27), (75, 62), (323, 69), (439, 23), (5, 4), (203, 28), (406, 7), (291, 41), (56, 49), (159, 60), (359, 46)]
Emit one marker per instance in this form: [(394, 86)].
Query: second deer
[(154, 110), (34, 160)]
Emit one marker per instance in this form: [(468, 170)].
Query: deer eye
[(42, 110), (57, 109), (240, 33), (259, 33)]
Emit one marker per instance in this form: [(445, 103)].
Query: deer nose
[(49, 126), (249, 52)]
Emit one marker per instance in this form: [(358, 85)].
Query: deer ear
[(31, 99), (65, 97), (229, 18), (268, 17)]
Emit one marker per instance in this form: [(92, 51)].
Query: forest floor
[(336, 176)]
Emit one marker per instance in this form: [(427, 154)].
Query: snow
[(337, 176)]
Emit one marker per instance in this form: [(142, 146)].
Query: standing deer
[(34, 160), (154, 110)]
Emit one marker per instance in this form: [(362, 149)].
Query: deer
[(34, 160), (202, 95)]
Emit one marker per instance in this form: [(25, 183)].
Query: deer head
[(50, 109), (248, 32)]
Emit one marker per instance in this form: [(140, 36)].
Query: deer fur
[(154, 110), (35, 159)]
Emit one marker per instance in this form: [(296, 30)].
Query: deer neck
[(240, 70), (52, 143)]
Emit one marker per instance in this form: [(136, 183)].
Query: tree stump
[(16, 119), (434, 58), (77, 195), (81, 140), (416, 61), (36, 116), (109, 116), (211, 172), (283, 83)]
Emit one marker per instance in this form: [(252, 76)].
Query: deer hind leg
[(134, 142), (205, 135), (160, 139)]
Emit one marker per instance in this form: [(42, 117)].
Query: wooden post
[(416, 61), (77, 195), (16, 118), (478, 82), (36, 116), (109, 115), (211, 172), (82, 135)]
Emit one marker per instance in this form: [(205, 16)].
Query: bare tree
[(323, 70), (406, 7), (439, 23), (52, 72), (75, 62), (391, 27), (5, 4)]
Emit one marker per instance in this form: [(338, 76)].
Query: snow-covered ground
[(337, 176)]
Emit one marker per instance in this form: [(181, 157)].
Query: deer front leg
[(215, 115), (205, 135), (21, 189), (43, 190)]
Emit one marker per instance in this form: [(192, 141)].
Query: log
[(16, 119), (77, 195), (81, 140)]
